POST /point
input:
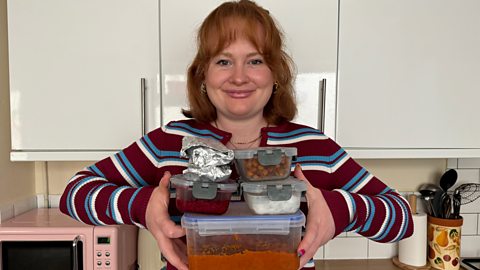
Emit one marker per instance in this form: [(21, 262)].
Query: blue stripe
[(385, 190), (96, 170), (405, 211), (371, 214), (137, 176), (295, 132), (88, 207), (130, 202), (160, 153), (149, 149), (119, 159), (174, 159), (392, 218), (192, 130), (75, 187), (352, 181), (323, 158), (364, 178)]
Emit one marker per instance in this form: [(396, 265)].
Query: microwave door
[(56, 255)]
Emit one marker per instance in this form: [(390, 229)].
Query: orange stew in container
[(251, 260)]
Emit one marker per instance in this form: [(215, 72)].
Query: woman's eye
[(223, 62), (256, 62)]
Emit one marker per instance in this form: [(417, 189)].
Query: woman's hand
[(320, 226), (163, 228)]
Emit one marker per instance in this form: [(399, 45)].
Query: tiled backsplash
[(353, 246)]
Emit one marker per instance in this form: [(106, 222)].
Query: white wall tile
[(478, 224), (470, 225), (54, 201), (452, 163), (382, 250), (6, 212), (469, 163), (473, 207), (470, 246), (467, 176), (353, 234), (319, 254), (347, 248), (24, 205)]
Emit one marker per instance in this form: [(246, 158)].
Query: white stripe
[(138, 225), (307, 167), (348, 200), (177, 132), (92, 207), (122, 172), (75, 177), (385, 220), (115, 205), (295, 140), (340, 163), (173, 163), (363, 183), (396, 238), (74, 194), (147, 153)]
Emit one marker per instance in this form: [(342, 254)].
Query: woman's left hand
[(320, 227)]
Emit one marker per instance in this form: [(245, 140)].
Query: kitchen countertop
[(377, 264)]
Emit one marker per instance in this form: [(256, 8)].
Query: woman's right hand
[(163, 228)]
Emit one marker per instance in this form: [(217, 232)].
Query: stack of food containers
[(267, 185), (261, 233)]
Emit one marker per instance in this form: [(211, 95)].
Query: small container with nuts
[(264, 163)]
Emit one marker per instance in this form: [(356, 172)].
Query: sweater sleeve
[(115, 190), (360, 202)]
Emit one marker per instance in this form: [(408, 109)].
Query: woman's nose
[(239, 75)]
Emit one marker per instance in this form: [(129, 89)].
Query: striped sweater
[(116, 189)]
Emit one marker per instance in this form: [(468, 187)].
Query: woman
[(240, 93)]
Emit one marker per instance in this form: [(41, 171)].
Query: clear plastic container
[(240, 239), (264, 163), (274, 197), (202, 197)]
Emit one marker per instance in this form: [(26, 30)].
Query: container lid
[(204, 189), (179, 180), (266, 153), (240, 220), (279, 190)]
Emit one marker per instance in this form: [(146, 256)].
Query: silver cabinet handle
[(75, 252), (321, 113), (143, 90)]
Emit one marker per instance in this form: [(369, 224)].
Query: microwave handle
[(75, 252)]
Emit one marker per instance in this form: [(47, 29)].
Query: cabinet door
[(76, 70), (314, 54), (407, 74)]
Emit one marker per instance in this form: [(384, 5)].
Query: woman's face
[(239, 82)]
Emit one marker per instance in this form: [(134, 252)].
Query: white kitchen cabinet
[(75, 76), (310, 28), (407, 78)]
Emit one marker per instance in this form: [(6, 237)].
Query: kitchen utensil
[(428, 192), (469, 192), (456, 204), (438, 204), (448, 179), (446, 205)]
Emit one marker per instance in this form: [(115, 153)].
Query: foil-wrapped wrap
[(209, 160)]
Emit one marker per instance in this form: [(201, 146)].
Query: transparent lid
[(294, 184), (240, 220), (250, 153), (179, 180)]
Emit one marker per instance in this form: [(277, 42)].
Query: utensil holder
[(443, 237)]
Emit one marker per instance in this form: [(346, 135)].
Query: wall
[(17, 180)]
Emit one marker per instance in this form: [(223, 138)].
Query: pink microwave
[(47, 239)]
